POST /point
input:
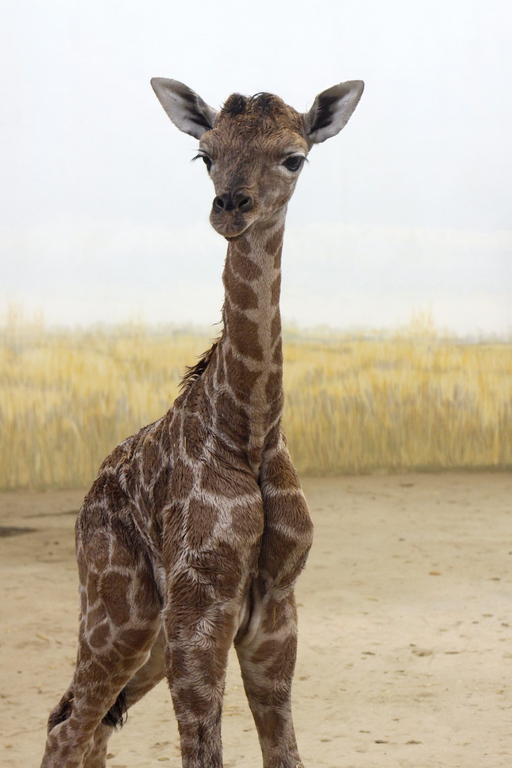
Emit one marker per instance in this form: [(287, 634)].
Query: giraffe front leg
[(267, 646), (200, 629), (267, 652), (96, 756)]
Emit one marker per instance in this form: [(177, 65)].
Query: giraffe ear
[(331, 110), (186, 109)]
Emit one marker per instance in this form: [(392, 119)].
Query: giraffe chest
[(218, 506), (199, 498)]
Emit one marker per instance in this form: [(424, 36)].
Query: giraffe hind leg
[(143, 681), (149, 675), (119, 624)]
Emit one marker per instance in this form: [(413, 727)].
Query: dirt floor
[(405, 654)]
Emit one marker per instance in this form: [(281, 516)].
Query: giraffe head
[(255, 147)]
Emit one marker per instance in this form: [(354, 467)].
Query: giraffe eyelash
[(205, 158)]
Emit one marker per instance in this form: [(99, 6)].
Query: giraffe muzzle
[(240, 202), (232, 213)]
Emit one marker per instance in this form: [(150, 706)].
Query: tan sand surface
[(405, 654)]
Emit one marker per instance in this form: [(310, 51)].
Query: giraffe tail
[(118, 712), (115, 717)]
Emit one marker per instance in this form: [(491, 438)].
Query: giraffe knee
[(62, 711)]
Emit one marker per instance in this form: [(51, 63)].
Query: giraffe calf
[(196, 528)]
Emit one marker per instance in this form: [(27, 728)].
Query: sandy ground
[(405, 652)]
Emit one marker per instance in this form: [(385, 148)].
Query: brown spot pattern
[(240, 294), (244, 266), (247, 519), (201, 518), (275, 328), (193, 436), (217, 481), (242, 245), (274, 242), (274, 387), (243, 334), (182, 479), (113, 590), (232, 420), (276, 291), (241, 379)]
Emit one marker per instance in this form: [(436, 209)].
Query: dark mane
[(265, 102), (194, 372), (236, 104)]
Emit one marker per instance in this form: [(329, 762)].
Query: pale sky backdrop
[(103, 218)]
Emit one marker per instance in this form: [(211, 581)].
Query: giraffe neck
[(248, 377)]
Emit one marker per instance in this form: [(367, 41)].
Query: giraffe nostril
[(219, 203), (244, 203)]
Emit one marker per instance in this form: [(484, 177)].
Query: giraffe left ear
[(331, 110), (184, 106)]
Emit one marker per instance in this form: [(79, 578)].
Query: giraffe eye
[(206, 160), (294, 162)]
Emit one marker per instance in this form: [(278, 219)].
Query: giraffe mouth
[(230, 224)]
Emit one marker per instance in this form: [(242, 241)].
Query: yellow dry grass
[(353, 405), (398, 404)]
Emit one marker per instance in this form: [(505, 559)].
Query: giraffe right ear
[(186, 109), (331, 110)]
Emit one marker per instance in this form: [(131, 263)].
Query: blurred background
[(103, 218), (400, 228)]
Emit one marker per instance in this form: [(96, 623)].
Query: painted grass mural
[(353, 404)]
